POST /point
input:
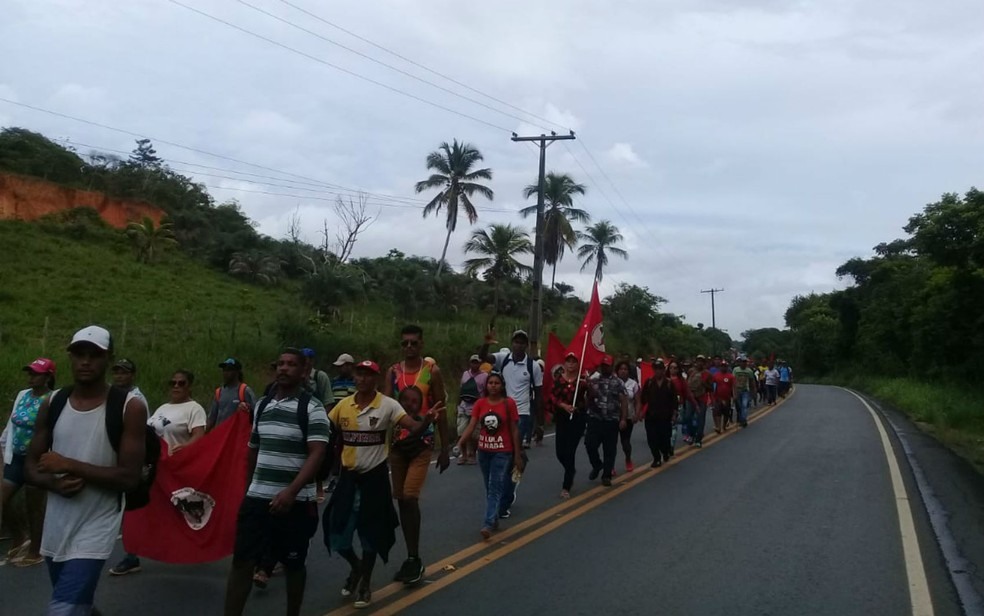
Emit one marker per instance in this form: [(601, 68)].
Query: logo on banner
[(195, 506), (598, 337)]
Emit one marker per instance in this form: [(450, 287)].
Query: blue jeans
[(700, 420), (687, 420), (73, 585), (525, 428), (744, 401), (495, 471)]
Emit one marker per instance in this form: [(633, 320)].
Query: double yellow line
[(448, 572)]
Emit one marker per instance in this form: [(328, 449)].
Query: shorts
[(261, 535), (408, 474), (73, 585), (13, 473), (463, 421), (722, 408)]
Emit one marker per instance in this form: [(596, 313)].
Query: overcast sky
[(755, 144)]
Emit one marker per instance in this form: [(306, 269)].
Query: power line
[(421, 66), (380, 62), (338, 68)]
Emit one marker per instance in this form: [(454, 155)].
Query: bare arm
[(466, 435), (415, 427), (196, 433), (251, 456), (284, 500), (388, 383)]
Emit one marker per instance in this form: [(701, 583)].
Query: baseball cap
[(125, 364), (569, 355), (97, 336), (308, 352), (606, 360), (368, 365), (700, 357), (231, 363), (659, 364), (343, 359), (638, 360), (41, 365), (521, 333), (474, 358)]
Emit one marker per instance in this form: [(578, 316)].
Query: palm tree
[(149, 240), (600, 240), (455, 178), (256, 266), (499, 247), (558, 232)]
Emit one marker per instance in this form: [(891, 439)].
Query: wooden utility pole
[(536, 303)]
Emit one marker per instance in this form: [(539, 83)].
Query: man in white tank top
[(84, 476)]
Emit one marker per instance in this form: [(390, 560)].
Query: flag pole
[(584, 350)]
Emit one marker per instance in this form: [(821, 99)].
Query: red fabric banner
[(191, 517), (554, 359), (590, 337)]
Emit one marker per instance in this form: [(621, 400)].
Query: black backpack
[(529, 368), (115, 406), (303, 402)]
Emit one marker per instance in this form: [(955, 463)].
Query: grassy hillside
[(179, 313)]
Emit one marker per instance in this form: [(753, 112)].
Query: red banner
[(195, 498), (554, 359), (590, 338)]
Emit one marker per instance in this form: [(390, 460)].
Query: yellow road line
[(920, 599), (575, 510)]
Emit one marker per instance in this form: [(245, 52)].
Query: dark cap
[(125, 364), (231, 363)]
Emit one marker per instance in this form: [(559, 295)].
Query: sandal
[(28, 561), (260, 580), (18, 551)]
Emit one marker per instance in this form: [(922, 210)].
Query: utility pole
[(713, 292), (536, 304)]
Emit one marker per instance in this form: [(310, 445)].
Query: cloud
[(621, 155)]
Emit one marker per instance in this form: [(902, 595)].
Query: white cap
[(343, 359), (94, 335), (474, 358)]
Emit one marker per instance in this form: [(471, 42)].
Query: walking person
[(471, 390), (632, 392), (124, 376), (524, 380), (230, 394), (785, 379), (179, 423), (661, 401), (744, 389), (607, 410), (362, 500), (410, 451), (279, 514), (701, 385), (570, 418), (497, 419), (74, 458), (343, 385), (316, 381), (686, 404), (16, 439), (724, 395), (772, 383)]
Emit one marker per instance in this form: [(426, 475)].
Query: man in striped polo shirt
[(279, 515)]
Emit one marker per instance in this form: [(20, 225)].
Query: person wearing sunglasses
[(179, 422)]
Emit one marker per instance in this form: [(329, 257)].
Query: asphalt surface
[(794, 515)]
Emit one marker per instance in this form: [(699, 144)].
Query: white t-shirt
[(174, 422), (772, 377), (631, 389), (519, 381)]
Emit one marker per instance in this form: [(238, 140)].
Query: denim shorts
[(14, 472)]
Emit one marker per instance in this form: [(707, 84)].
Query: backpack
[(242, 393), (139, 496), (529, 369), (334, 439)]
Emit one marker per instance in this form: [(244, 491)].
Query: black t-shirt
[(660, 400)]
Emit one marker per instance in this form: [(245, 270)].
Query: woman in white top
[(632, 392), (179, 423)]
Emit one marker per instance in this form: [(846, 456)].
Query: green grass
[(950, 412)]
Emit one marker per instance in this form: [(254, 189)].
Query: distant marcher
[(607, 409), (686, 403), (343, 385), (179, 423), (230, 395), (16, 439), (279, 514), (624, 370), (701, 385), (569, 395), (84, 471), (524, 380), (661, 403), (745, 389), (497, 420), (362, 501), (124, 373), (317, 382), (772, 383), (410, 451), (785, 379), (724, 395), (471, 389)]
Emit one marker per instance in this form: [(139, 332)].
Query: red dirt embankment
[(28, 198)]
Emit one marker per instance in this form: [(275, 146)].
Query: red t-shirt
[(494, 422), (681, 387), (725, 389)]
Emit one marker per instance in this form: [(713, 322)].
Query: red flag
[(554, 359), (191, 517), (589, 342)]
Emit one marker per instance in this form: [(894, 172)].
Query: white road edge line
[(920, 599)]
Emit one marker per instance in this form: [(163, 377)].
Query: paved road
[(795, 515)]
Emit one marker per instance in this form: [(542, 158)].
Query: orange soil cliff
[(30, 198)]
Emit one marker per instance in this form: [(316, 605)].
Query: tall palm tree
[(498, 246), (558, 232), (149, 239), (456, 180), (598, 241), (256, 266)]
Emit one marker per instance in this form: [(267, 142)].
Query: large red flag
[(191, 517), (589, 341), (554, 359)]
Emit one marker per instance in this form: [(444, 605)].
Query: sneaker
[(505, 515), (363, 596), (126, 566), (629, 466), (486, 532), (411, 572), (565, 495), (594, 474), (607, 482), (351, 582), (656, 463), (698, 445)]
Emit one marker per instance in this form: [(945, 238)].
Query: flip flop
[(16, 552), (28, 561)]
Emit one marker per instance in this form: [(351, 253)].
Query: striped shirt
[(282, 447), (364, 430)]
